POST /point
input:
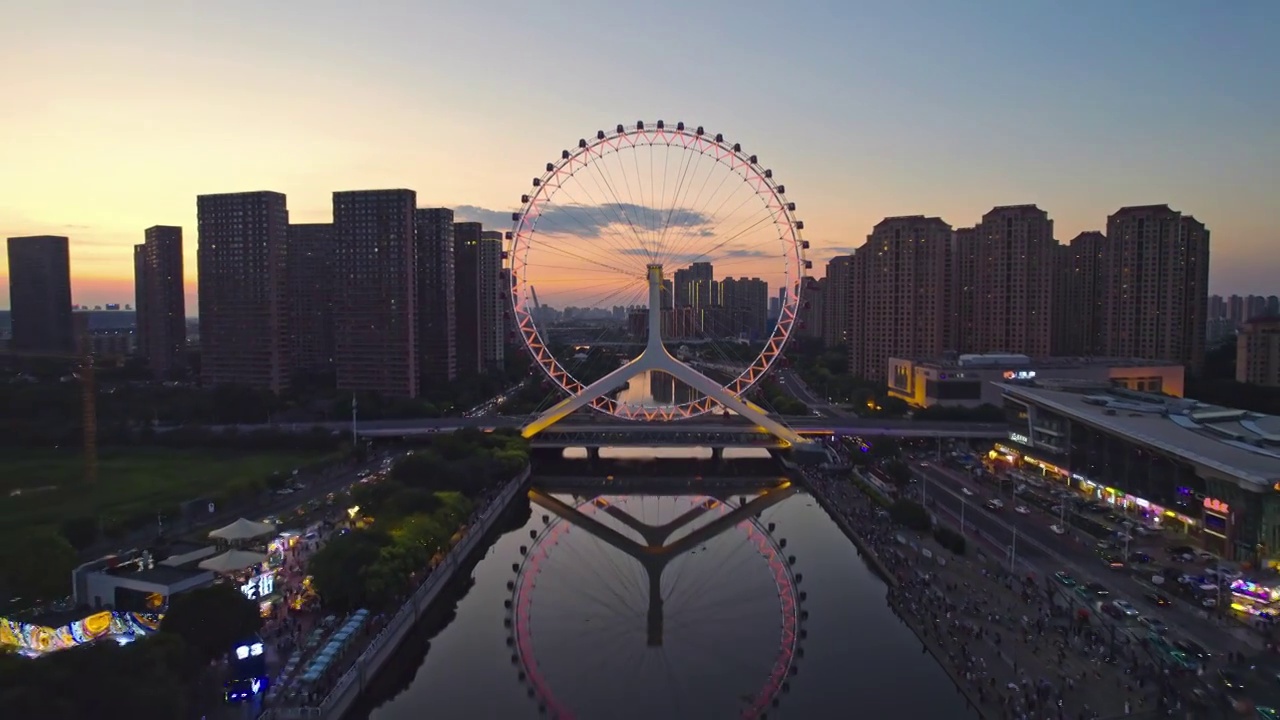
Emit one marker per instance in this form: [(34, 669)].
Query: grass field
[(130, 481)]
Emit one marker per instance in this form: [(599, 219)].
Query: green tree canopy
[(211, 620)]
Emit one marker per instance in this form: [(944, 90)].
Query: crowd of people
[(1015, 647)]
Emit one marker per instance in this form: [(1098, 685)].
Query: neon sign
[(244, 652), (1019, 438), (1019, 374), (1216, 506), (259, 587)]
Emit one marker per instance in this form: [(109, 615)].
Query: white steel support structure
[(656, 357)]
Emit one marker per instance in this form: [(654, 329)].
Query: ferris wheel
[(662, 233)]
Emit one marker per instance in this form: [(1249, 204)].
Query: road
[(790, 380), (1039, 547)]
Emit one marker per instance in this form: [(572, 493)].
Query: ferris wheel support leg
[(715, 391), (589, 394)]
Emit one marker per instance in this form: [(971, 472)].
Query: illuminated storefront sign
[(1216, 506), (260, 586), (1006, 450), (1023, 439), (1255, 592), (1019, 374), (245, 652)]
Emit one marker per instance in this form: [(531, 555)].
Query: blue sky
[(117, 114)]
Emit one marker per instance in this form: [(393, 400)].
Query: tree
[(910, 514), (81, 531), (337, 569), (211, 620), (898, 471), (37, 565)]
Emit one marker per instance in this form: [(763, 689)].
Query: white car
[(966, 491), (1058, 529), (1022, 510), (1126, 607)]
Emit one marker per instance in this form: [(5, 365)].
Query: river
[(575, 629)]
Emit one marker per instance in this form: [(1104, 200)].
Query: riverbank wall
[(348, 689), (864, 548), (943, 661)]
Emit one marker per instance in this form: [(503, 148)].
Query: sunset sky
[(114, 116)]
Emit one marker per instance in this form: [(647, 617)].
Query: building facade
[(161, 300), (1013, 296), (1258, 352), (493, 302), (1077, 300), (835, 314), (312, 278), (900, 293), (242, 247), (1185, 466), (1154, 285), (437, 292), (467, 301), (974, 380), (40, 295), (375, 292)]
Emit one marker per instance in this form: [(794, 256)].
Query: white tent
[(233, 561), (243, 530)]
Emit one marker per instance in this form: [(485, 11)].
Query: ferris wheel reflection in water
[(642, 606)]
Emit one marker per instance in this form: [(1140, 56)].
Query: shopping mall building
[(973, 380), (1209, 471)]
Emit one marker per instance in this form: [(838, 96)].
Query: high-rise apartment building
[(40, 295), (1077, 300), (815, 293), (1258, 352), (467, 297), (743, 305), (835, 312), (437, 313), (493, 302), (161, 303), (1155, 279), (899, 297), (1013, 297), (375, 291), (241, 254), (962, 333), (312, 249)]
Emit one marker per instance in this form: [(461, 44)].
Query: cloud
[(690, 257), (592, 220)]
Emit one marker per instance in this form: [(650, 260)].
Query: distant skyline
[(917, 107)]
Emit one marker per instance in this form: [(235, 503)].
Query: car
[(1139, 557), (1063, 577), (1231, 680), (1155, 625), (1193, 649), (1111, 610), (1126, 607), (924, 464), (1058, 529), (1158, 600), (1097, 590), (994, 505), (1115, 562), (966, 492), (1022, 510)]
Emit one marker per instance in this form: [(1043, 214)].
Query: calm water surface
[(589, 638)]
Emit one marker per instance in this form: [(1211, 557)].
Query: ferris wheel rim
[(763, 541), (623, 137)]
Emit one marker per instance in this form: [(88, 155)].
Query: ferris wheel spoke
[(676, 195), (735, 236), (637, 209), (619, 209), (593, 255), (600, 227), (692, 212), (687, 237)]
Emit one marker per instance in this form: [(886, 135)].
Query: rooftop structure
[(1236, 444), (972, 380)]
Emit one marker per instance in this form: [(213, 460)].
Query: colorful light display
[(39, 639)]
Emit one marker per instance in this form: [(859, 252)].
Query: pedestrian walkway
[(1010, 649)]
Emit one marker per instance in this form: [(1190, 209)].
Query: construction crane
[(537, 306), (88, 398)]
